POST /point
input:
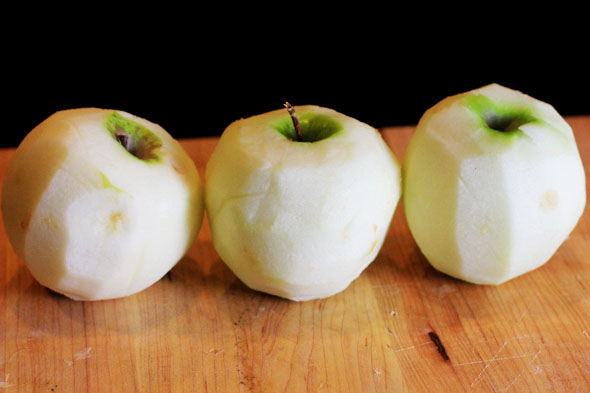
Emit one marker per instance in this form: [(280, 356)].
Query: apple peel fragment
[(493, 184)]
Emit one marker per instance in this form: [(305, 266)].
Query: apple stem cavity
[(296, 124), (139, 141), (124, 140), (502, 123), (497, 117)]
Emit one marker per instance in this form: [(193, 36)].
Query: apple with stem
[(300, 201), (493, 184), (100, 204)]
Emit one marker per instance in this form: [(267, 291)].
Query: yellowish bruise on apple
[(487, 205), (300, 220), (90, 220)]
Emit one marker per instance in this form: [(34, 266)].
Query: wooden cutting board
[(400, 327)]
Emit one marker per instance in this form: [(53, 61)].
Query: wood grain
[(400, 327)]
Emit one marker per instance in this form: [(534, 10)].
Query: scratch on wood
[(520, 337), (494, 360), (537, 354), (5, 384), (411, 347), (444, 290), (85, 354), (215, 351), (13, 354), (579, 279), (512, 383), (439, 345), (481, 373), (520, 373)]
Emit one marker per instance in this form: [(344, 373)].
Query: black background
[(196, 88)]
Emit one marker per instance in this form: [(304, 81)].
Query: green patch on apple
[(106, 183), (314, 127), (139, 141)]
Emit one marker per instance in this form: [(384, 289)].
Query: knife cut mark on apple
[(116, 221), (549, 200)]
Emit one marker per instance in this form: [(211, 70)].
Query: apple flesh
[(300, 220), (493, 184), (100, 204)]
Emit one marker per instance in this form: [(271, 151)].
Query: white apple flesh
[(300, 220), (94, 219), (493, 184)]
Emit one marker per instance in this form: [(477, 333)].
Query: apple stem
[(296, 124)]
